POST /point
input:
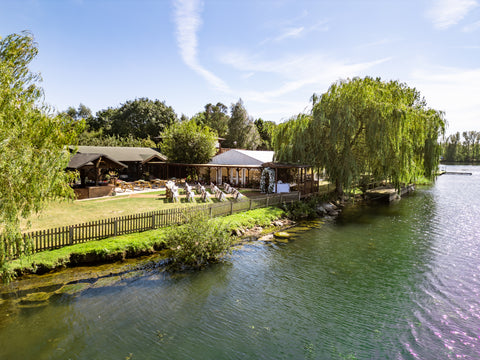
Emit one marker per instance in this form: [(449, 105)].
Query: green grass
[(77, 212), (129, 245)]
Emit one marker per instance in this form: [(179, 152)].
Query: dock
[(388, 194), (456, 173)]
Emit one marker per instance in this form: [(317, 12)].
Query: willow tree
[(370, 127), (33, 153), (290, 140)]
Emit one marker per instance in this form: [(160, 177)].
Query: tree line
[(151, 123), (462, 148)]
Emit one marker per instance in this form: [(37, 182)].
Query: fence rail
[(95, 230)]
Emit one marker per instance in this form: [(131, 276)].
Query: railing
[(101, 229)]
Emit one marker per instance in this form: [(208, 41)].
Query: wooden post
[(231, 207), (276, 180), (70, 230)]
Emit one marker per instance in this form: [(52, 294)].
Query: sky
[(272, 54)]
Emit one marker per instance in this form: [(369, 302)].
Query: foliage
[(97, 138), (33, 153), (242, 132), (366, 126), (266, 130), (83, 112), (466, 150), (290, 142), (140, 118), (301, 209), (187, 142), (215, 117), (199, 241)]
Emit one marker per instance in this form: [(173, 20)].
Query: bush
[(303, 209), (199, 241)]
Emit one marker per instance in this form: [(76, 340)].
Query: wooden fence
[(101, 229)]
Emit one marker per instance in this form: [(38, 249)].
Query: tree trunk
[(338, 187)]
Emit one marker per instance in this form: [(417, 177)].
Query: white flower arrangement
[(271, 180)]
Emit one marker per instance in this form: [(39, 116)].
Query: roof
[(80, 160), (123, 154), (242, 157)]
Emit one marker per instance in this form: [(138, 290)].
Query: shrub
[(198, 241), (303, 209)]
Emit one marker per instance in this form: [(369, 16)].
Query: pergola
[(92, 164), (304, 185)]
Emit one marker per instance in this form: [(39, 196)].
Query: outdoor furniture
[(124, 186), (158, 183), (142, 184)]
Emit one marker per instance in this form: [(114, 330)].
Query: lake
[(398, 281)]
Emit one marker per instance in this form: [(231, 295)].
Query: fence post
[(153, 220), (267, 199), (210, 211), (250, 205), (231, 207), (299, 195), (70, 234), (115, 222)]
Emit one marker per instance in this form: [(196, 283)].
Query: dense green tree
[(451, 152), (367, 126), (242, 132), (97, 138), (82, 112), (290, 142), (33, 152), (188, 143), (215, 117), (462, 148), (265, 130), (140, 118)]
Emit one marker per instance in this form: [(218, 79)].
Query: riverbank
[(259, 221)]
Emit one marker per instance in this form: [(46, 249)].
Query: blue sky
[(273, 54)]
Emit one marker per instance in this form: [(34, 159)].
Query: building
[(140, 162)]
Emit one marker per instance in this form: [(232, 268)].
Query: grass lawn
[(76, 212), (131, 245), (81, 211)]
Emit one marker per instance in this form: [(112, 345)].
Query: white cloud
[(188, 21), (290, 33), (296, 72), (454, 91), (296, 32), (445, 13)]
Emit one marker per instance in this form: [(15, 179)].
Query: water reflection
[(398, 281)]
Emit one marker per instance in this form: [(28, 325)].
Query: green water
[(383, 282)]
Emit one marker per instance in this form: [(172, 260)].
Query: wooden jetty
[(456, 173), (387, 193)]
